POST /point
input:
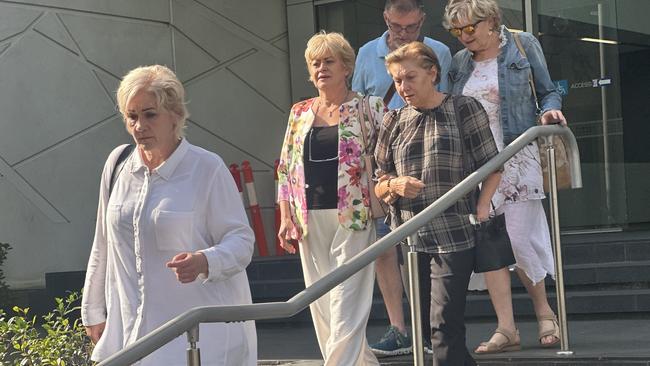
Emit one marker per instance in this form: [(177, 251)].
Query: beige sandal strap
[(511, 342), (550, 331), (510, 336), (550, 316)]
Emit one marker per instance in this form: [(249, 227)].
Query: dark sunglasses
[(468, 29)]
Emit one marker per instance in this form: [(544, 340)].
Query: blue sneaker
[(392, 343)]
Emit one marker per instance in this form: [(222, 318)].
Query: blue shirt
[(518, 110), (372, 78)]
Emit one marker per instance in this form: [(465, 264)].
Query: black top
[(321, 163)]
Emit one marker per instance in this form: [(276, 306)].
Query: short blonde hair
[(163, 84), (419, 52), (472, 10), (322, 44)]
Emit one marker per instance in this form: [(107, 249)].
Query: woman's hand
[(188, 266), (553, 116), (286, 233), (482, 211), (406, 186), (94, 332), (382, 191)]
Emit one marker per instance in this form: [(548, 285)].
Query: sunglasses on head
[(468, 29)]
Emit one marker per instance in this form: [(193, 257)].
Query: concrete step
[(287, 281), (568, 361), (595, 340)]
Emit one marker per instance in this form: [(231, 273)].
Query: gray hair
[(404, 6), (472, 10)]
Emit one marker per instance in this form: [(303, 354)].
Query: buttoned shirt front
[(187, 204), (427, 145)]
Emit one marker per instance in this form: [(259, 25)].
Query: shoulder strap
[(119, 165), (389, 94), (459, 123), (467, 167), (364, 104), (531, 81)]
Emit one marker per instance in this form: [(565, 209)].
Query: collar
[(167, 168), (382, 46)]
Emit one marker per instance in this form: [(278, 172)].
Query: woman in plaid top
[(419, 156)]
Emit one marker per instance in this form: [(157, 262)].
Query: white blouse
[(189, 203), (521, 179)]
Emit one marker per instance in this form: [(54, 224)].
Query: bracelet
[(388, 185)]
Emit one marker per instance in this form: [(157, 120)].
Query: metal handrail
[(275, 310)]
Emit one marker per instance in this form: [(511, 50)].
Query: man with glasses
[(404, 19)]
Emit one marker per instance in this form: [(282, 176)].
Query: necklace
[(335, 157), (330, 111)]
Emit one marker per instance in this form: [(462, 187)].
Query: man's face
[(403, 28)]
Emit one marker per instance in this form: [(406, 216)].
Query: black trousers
[(450, 274)]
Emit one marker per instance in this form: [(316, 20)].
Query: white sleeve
[(93, 303), (228, 228)]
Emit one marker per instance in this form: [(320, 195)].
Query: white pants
[(341, 315)]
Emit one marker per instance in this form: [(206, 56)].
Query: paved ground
[(607, 339)]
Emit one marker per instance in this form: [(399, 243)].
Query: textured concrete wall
[(60, 64)]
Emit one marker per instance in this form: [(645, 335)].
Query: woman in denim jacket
[(493, 70)]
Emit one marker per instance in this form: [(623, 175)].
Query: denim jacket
[(518, 109)]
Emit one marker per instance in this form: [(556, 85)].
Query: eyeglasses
[(468, 29), (411, 28)]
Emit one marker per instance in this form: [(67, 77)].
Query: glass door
[(581, 44), (597, 52)]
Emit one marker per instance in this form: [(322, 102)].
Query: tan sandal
[(513, 343), (553, 330)]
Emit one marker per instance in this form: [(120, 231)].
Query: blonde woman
[(324, 197), (171, 234)]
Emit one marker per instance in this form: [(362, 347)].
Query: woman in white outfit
[(493, 70), (171, 234)]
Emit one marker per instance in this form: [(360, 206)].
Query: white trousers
[(341, 315)]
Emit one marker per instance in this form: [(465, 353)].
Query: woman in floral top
[(324, 198)]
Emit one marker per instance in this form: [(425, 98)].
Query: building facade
[(242, 64)]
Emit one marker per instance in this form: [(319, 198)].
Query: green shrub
[(4, 289), (57, 341)]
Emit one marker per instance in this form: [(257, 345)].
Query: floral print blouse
[(352, 183)]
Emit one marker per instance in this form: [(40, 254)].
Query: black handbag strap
[(467, 167), (119, 165)]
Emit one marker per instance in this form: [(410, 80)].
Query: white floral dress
[(520, 192)]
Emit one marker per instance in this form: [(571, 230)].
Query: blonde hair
[(472, 10), (322, 44), (163, 84), (417, 51)]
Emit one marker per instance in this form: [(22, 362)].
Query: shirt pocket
[(518, 77), (119, 222), (174, 230)]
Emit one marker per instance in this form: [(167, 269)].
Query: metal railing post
[(193, 352), (555, 231), (416, 306)]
